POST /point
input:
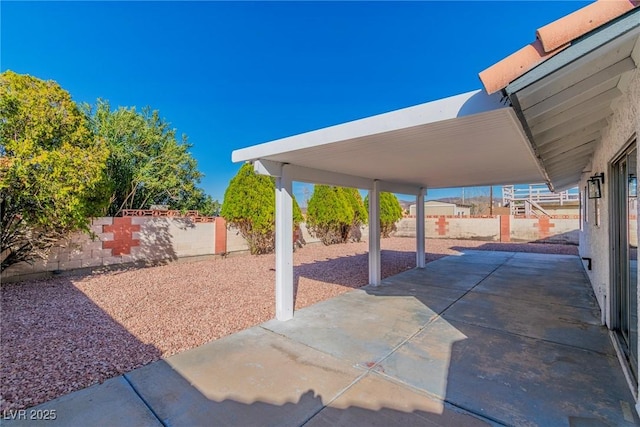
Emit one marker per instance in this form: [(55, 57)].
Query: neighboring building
[(435, 208)]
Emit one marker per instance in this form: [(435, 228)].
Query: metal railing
[(529, 200)]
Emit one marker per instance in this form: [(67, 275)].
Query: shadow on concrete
[(357, 275), (519, 344), (499, 345), (373, 406), (540, 247), (56, 340), (568, 238)]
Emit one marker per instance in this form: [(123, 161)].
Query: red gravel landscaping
[(69, 332)]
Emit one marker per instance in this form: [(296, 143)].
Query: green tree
[(330, 214), (147, 164), (390, 212), (249, 205), (360, 212), (52, 168)]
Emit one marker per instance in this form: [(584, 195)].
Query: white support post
[(420, 251), (284, 246), (374, 235)]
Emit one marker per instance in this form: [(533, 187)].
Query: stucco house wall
[(595, 237)]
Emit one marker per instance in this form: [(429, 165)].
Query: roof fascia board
[(578, 49), (318, 176), (396, 187), (268, 167), (465, 104)]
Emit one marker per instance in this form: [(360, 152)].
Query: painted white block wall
[(595, 238)]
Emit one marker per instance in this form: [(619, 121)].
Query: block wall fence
[(131, 239), (497, 228)]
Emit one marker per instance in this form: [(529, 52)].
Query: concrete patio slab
[(434, 297), (345, 327), (112, 403), (375, 401), (576, 326), (446, 266), (254, 377), (512, 282), (560, 263), (511, 379), (443, 346), (442, 277)]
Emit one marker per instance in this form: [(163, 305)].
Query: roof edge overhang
[(462, 105), (458, 128), (580, 47), (605, 37)]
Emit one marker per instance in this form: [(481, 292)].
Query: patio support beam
[(420, 251), (374, 234), (284, 245)]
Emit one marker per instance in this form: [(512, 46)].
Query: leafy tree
[(51, 168), (147, 164), (390, 212), (249, 205)]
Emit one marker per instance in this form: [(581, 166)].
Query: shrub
[(329, 214), (360, 213), (249, 205), (390, 212)]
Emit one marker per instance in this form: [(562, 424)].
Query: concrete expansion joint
[(502, 331), (340, 393), (143, 400), (483, 417)]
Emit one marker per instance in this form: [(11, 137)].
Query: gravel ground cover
[(69, 332)]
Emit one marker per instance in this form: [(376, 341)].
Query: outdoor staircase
[(528, 201)]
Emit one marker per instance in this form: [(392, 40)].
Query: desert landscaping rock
[(69, 332)]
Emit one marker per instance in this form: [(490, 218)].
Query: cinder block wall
[(129, 239), (154, 239), (505, 228)]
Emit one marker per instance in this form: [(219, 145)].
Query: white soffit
[(465, 140), (566, 104)]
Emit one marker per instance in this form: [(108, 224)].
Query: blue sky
[(235, 74)]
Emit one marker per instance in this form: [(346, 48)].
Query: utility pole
[(491, 200)]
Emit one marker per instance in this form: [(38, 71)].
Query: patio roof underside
[(560, 110), (567, 102), (465, 140)]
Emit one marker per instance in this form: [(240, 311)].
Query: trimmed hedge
[(250, 204)]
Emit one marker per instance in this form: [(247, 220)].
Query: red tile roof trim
[(553, 38), (500, 74), (580, 22)]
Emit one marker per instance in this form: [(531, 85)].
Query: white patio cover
[(470, 139)]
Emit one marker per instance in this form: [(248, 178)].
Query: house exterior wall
[(595, 237)]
